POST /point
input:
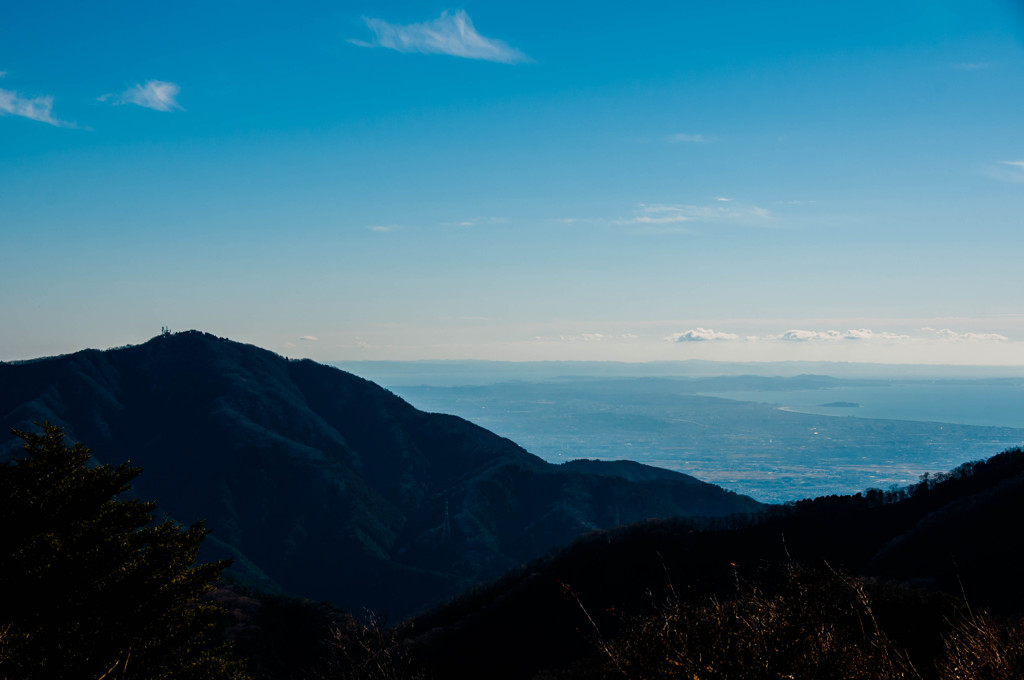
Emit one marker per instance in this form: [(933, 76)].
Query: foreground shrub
[(979, 647), (814, 623), (369, 650)]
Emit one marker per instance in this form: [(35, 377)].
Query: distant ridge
[(322, 484), (457, 372)]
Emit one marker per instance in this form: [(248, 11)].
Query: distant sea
[(861, 428), (994, 403)]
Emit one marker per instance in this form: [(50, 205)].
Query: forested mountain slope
[(323, 484), (948, 538)]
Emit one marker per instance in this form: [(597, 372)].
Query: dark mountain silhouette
[(322, 484), (948, 537)]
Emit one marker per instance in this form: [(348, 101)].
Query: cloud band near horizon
[(859, 334)]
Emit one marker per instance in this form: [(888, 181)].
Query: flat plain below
[(774, 438)]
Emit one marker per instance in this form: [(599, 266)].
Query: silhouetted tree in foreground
[(91, 586)]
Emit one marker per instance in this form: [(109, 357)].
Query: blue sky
[(736, 180)]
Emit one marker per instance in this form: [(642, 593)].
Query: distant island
[(842, 404)]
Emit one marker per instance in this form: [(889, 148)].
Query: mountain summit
[(322, 484)]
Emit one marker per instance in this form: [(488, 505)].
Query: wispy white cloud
[(723, 210), (152, 94), (954, 336), (384, 228), (308, 338), (33, 108), (686, 137), (452, 34), (867, 334), (662, 214), (1007, 171), (475, 221), (702, 335), (801, 335), (586, 337)]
